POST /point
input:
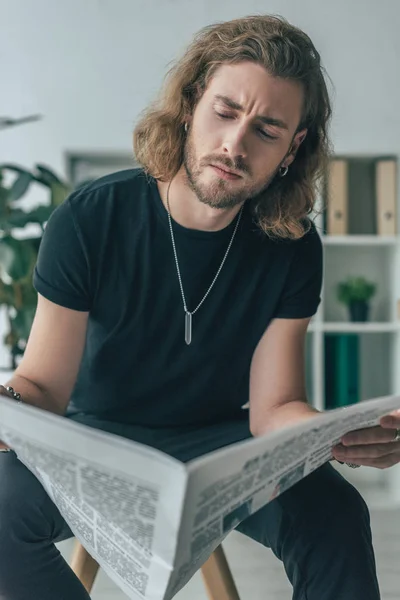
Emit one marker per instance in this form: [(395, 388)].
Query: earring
[(283, 171), (186, 127)]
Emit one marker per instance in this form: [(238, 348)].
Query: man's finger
[(390, 421), (384, 462), (372, 435), (353, 453)]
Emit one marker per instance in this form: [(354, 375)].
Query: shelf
[(355, 327), (360, 240)]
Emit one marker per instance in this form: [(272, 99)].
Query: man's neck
[(188, 211)]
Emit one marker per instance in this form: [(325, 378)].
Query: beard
[(221, 193)]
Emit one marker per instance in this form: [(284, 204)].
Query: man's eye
[(261, 132), (266, 135), (223, 115)]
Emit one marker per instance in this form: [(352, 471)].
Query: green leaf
[(14, 218), (40, 214), (3, 200), (59, 190), (20, 186), (17, 189), (13, 167), (17, 258), (21, 294), (36, 243), (7, 294), (47, 176), (58, 193), (20, 218)]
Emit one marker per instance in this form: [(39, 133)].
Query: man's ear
[(296, 143)]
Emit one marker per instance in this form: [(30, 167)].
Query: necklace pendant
[(188, 327)]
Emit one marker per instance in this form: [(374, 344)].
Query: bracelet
[(351, 465), (16, 396)]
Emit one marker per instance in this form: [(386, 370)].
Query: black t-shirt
[(107, 250)]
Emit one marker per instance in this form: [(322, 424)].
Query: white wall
[(90, 66)]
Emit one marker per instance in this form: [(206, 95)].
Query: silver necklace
[(188, 313)]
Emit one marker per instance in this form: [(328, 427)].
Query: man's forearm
[(282, 416), (31, 393)]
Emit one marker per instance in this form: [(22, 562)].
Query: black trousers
[(319, 528)]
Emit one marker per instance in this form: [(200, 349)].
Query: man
[(170, 296)]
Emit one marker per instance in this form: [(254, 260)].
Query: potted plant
[(18, 253), (356, 293)]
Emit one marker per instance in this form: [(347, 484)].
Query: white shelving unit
[(344, 327), (360, 240), (376, 257)]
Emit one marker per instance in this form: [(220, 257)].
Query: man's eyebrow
[(236, 106)]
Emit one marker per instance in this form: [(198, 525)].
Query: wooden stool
[(216, 573)]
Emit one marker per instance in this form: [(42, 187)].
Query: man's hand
[(372, 447)]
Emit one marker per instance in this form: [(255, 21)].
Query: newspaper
[(149, 520)]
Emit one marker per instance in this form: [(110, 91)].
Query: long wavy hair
[(286, 52)]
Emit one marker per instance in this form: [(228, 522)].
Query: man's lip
[(226, 170)]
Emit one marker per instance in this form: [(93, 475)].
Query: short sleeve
[(301, 295), (62, 272)]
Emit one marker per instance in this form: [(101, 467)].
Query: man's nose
[(235, 143)]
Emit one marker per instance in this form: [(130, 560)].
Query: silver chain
[(177, 263)]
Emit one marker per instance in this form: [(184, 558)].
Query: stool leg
[(218, 578), (84, 566)]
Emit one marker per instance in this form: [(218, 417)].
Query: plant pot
[(359, 310)]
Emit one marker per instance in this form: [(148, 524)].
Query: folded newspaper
[(149, 520)]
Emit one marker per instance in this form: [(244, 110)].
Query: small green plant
[(18, 253), (355, 289)]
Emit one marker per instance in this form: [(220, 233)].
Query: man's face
[(240, 133)]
